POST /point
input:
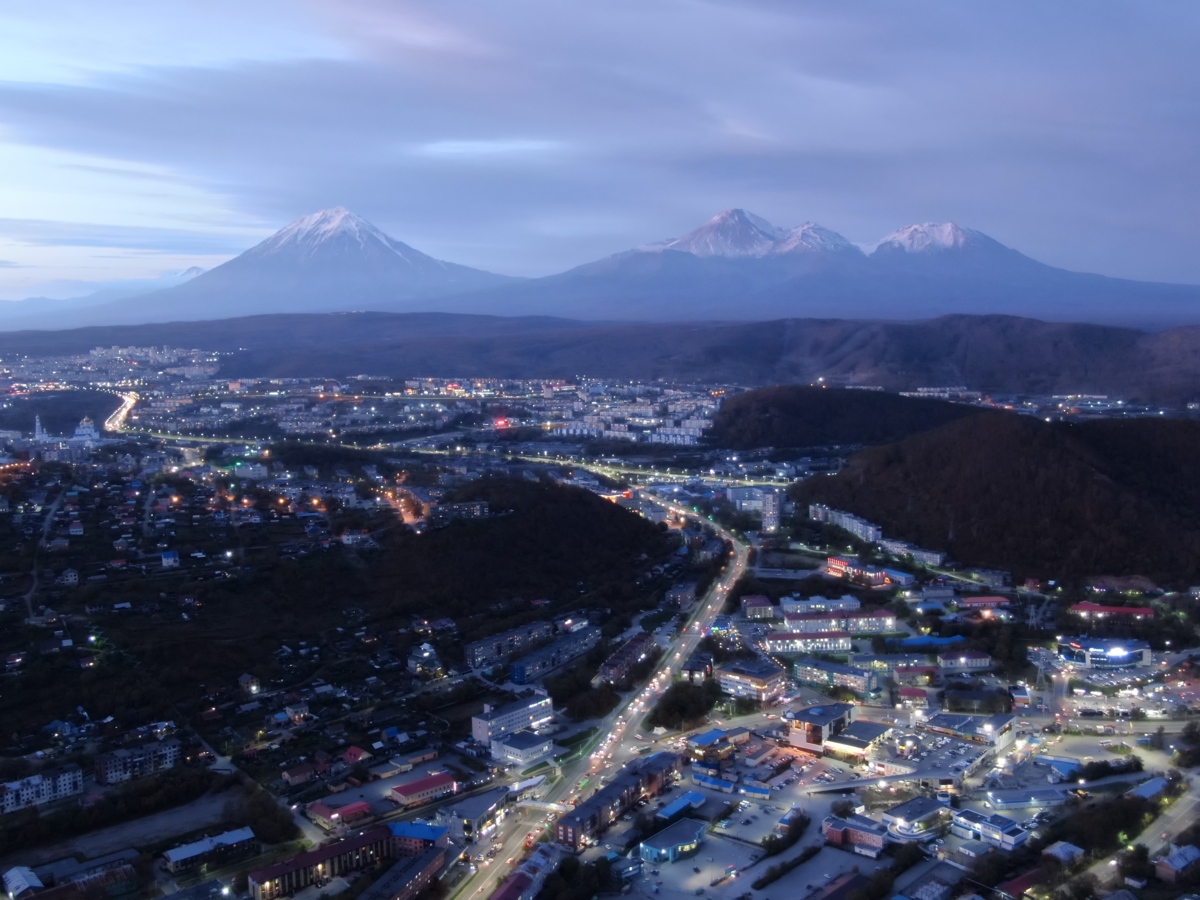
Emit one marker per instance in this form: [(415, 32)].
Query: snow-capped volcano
[(735, 233), (931, 237), (328, 261)]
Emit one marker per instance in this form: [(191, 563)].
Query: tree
[(842, 808)]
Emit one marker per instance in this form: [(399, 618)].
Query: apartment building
[(754, 679), (42, 788), (822, 674), (128, 763), (501, 647)]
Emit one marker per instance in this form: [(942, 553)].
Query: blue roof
[(930, 639), (418, 830), (709, 737), (690, 800), (708, 780)]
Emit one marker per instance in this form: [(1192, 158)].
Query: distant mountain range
[(990, 353), (735, 267)]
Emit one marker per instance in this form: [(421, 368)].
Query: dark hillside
[(1053, 500), (803, 416)]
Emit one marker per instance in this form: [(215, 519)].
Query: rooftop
[(823, 715), (685, 831)]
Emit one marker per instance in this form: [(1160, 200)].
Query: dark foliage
[(683, 703), (1038, 498), (802, 416)]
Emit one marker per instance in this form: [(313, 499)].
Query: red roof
[(918, 670), (813, 636), (445, 779), (322, 854), (755, 600), (1087, 608), (984, 601), (912, 692), (354, 754)]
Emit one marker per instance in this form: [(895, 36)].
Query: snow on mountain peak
[(930, 237), (733, 232), (327, 223), (811, 237)]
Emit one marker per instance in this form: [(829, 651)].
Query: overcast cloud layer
[(528, 136)]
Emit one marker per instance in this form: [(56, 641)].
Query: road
[(616, 735)]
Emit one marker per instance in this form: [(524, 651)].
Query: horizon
[(148, 141)]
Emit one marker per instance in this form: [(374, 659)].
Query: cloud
[(533, 135), (9, 264)]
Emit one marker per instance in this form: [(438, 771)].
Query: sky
[(529, 136)]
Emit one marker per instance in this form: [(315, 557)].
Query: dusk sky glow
[(529, 136)]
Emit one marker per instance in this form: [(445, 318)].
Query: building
[(995, 731), (754, 679), (856, 740), (501, 647), (809, 728), (756, 606), (332, 818), (1182, 862), (424, 790), (995, 830), (772, 510), (521, 748), (1105, 653), (1066, 853), (990, 602), (789, 643), (526, 882), (618, 667), (410, 838), (472, 819), (691, 800), (857, 833), (408, 877), (348, 854), (45, 787), (496, 722), (853, 622), (128, 763), (540, 663), (712, 746), (583, 825), (220, 849), (1151, 789), (917, 676), (423, 661), (822, 674), (964, 661), (676, 841), (445, 513), (915, 818), (1094, 611), (698, 667), (845, 603), (860, 528), (681, 595)]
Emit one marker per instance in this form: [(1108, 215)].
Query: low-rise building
[(823, 674), (331, 818), (855, 832), (1092, 611), (411, 838), (681, 595), (915, 818), (808, 729), (522, 748), (675, 842), (496, 722), (845, 603), (221, 849), (408, 877), (995, 830), (755, 679), (526, 882), (472, 819), (1180, 863), (996, 731), (1105, 653), (424, 790)]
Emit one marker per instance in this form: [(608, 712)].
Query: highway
[(616, 739)]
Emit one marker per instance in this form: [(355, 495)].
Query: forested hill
[(804, 416), (1037, 498)]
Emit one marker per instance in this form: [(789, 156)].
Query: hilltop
[(804, 416), (1037, 498)]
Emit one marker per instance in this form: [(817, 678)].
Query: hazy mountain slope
[(329, 261), (997, 353), (1051, 500), (803, 416)]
